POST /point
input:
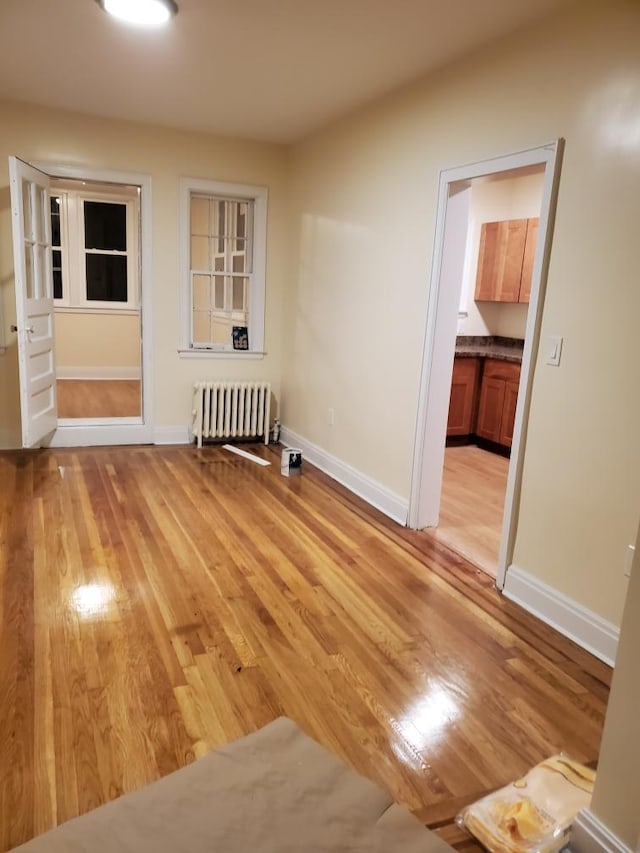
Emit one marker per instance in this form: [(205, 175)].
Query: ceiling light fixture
[(144, 13)]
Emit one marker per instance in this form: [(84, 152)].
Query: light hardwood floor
[(158, 602), (472, 505), (98, 398)]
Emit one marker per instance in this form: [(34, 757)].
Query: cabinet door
[(490, 408), (500, 260), (463, 396), (508, 413), (529, 255)]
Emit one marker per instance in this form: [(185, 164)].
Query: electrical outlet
[(628, 560), (330, 416)]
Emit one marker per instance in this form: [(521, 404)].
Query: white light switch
[(554, 348)]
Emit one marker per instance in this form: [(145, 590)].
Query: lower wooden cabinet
[(484, 395), (464, 391), (498, 399)]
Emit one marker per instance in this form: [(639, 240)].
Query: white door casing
[(46, 428), (31, 225), (424, 501)]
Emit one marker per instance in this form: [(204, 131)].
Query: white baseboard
[(572, 619), (97, 432), (374, 493), (590, 835), (97, 373), (172, 435)]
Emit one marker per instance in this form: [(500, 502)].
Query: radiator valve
[(275, 432)]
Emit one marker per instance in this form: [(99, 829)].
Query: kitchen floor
[(472, 505)]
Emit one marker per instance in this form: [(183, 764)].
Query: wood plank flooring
[(158, 602), (472, 505), (99, 398)]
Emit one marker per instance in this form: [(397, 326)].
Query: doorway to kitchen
[(480, 304)]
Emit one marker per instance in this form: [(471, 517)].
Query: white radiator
[(231, 410)]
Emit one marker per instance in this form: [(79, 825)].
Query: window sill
[(206, 353), (81, 309)]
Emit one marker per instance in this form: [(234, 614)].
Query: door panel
[(34, 300), (490, 408), (508, 413)]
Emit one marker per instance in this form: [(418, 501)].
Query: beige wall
[(616, 799), (363, 210), (97, 340), (38, 134), (493, 201)]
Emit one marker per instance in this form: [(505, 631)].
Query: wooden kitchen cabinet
[(527, 261), (505, 260), (464, 391), (498, 399)]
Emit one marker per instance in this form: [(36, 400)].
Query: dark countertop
[(490, 346)]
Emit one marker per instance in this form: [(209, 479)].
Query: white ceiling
[(262, 69)]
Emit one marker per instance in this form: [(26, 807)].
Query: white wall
[(363, 221), (38, 134), (493, 200)]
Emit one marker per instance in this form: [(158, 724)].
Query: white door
[(34, 300)]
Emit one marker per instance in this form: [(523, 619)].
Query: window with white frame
[(224, 232), (94, 230)]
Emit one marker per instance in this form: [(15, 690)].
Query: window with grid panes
[(226, 234), (221, 268), (94, 246)]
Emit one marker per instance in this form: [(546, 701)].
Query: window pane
[(220, 218), (106, 278), (55, 221), (40, 213), (56, 265), (105, 226), (218, 263), (200, 216), (26, 203), (241, 219), (218, 302), (221, 332), (202, 293), (57, 284), (239, 291), (201, 327), (238, 259), (41, 280), (28, 266), (200, 253)]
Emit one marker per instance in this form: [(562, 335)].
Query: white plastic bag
[(533, 814)]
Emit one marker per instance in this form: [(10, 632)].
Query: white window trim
[(259, 196), (74, 297)]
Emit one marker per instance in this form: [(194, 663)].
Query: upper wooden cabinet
[(505, 260)]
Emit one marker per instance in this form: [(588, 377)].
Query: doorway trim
[(437, 361), (118, 430)]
